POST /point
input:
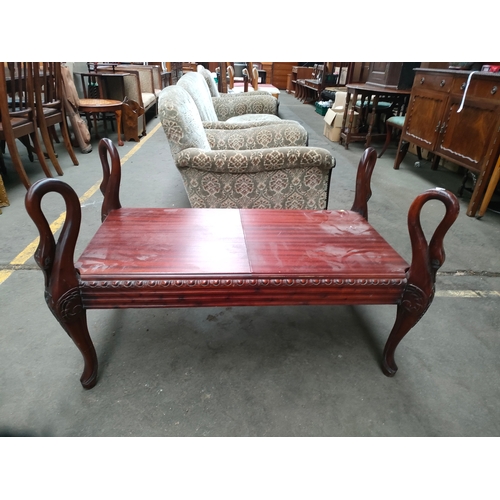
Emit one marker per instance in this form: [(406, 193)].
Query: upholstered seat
[(243, 109), (396, 123), (260, 167)]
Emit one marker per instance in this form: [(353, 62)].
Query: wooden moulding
[(212, 257)]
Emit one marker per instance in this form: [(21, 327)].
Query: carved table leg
[(118, 114), (427, 258), (69, 311), (62, 292), (413, 306)]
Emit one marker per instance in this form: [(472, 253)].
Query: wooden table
[(94, 106), (187, 257), (365, 98)]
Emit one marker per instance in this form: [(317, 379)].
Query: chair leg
[(18, 164), (402, 150), (39, 153), (44, 130), (53, 134), (29, 148), (67, 140), (388, 137)]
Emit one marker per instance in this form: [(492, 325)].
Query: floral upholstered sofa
[(254, 167), (232, 110)]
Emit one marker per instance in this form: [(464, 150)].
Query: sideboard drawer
[(440, 83), (487, 88)]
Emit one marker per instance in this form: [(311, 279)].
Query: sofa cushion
[(148, 99), (253, 118)]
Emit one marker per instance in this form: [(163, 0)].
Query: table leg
[(118, 114), (371, 118), (490, 190), (348, 118)]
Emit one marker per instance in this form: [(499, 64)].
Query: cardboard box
[(333, 123), (332, 133)]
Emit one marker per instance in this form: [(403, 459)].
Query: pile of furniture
[(31, 105)]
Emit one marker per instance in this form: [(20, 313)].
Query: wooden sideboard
[(469, 137)]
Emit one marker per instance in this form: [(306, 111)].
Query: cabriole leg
[(69, 311), (412, 307)]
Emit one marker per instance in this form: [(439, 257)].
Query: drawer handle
[(463, 86), (422, 80), (442, 83), (437, 126), (494, 90)]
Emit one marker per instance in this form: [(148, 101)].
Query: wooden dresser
[(469, 137)]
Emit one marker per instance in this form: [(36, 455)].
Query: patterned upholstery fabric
[(222, 109), (267, 136), (250, 168), (181, 121), (214, 91)]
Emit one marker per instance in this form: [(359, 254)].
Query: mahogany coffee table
[(209, 257), (94, 106)]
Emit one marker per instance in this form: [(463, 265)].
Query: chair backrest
[(196, 86), (230, 74), (181, 120), (255, 78), (19, 90), (214, 91), (48, 85)]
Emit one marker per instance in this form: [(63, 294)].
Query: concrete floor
[(256, 371)]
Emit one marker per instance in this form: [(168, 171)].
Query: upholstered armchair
[(243, 109), (260, 167)]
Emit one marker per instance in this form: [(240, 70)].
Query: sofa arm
[(227, 108), (256, 160), (274, 135)]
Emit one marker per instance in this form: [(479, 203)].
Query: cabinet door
[(467, 137), (423, 118)]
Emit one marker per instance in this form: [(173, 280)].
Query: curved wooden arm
[(363, 178), (110, 185), (62, 288), (421, 277), (55, 260), (427, 258)]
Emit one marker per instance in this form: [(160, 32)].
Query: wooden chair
[(17, 116), (50, 109), (397, 123)]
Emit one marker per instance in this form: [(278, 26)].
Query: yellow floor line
[(28, 252)]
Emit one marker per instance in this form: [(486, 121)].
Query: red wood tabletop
[(141, 243)]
